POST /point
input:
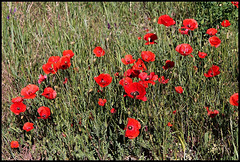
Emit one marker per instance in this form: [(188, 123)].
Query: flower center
[(103, 81), (130, 127), (18, 108), (65, 62), (147, 78), (134, 94)]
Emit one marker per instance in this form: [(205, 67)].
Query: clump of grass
[(81, 129)]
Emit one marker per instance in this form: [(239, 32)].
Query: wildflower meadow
[(120, 80)]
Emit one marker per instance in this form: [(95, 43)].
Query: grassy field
[(81, 129)]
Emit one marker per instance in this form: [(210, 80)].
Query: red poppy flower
[(225, 23), (211, 113), (64, 62), (234, 99), (131, 73), (69, 53), (195, 68), (14, 144), (183, 31), (102, 102), (214, 41), (148, 78), (49, 93), (139, 38), (103, 80), (174, 112), (148, 56), (113, 111), (143, 83), (125, 81), (235, 3), (42, 78), (213, 71), (50, 67), (127, 60), (29, 91), (117, 75), (18, 108), (17, 99), (150, 38), (169, 124), (54, 59), (162, 80), (65, 80), (211, 31), (184, 49), (190, 24), (132, 128), (98, 51), (136, 90), (147, 30), (169, 64), (139, 65), (44, 112), (202, 54), (179, 89), (28, 126), (166, 20)]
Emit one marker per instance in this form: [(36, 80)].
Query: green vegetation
[(38, 30)]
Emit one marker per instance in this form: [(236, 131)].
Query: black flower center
[(18, 108), (103, 81), (134, 94), (130, 127)]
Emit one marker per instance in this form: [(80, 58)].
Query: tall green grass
[(39, 30)]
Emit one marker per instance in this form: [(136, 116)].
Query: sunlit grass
[(39, 30)]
